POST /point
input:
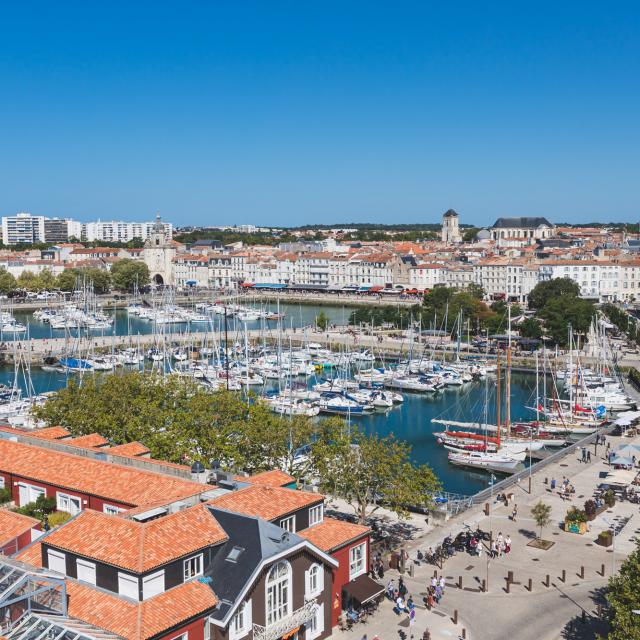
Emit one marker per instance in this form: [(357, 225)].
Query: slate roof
[(135, 545), (259, 540), (450, 213), (520, 223)]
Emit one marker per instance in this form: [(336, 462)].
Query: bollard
[(411, 569), (486, 508), (602, 570), (484, 586), (464, 634), (564, 575), (547, 581), (599, 610), (455, 616), (508, 587), (435, 573), (459, 582), (582, 572), (530, 585), (509, 576), (584, 617)]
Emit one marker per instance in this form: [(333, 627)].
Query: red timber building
[(153, 552)]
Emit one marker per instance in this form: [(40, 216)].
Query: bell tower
[(450, 228), (158, 254)]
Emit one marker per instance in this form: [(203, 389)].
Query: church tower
[(158, 254), (450, 229)]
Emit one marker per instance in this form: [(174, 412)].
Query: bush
[(38, 509), (590, 508), (57, 518), (609, 498), (5, 496), (575, 515)]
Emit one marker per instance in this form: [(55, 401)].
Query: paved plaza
[(566, 608)]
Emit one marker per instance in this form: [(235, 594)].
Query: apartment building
[(120, 230), (22, 228)]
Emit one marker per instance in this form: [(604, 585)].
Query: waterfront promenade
[(566, 608)]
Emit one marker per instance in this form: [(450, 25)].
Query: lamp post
[(491, 480)]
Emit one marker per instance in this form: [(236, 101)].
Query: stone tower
[(158, 254), (450, 229)]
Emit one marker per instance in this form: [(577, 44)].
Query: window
[(1, 482), (86, 571), (288, 524), (357, 560), (241, 621), (278, 592), (152, 585), (70, 504), (111, 510), (315, 626), (57, 561), (128, 586), (314, 581), (315, 514), (182, 636), (193, 567)]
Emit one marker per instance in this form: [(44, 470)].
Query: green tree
[(367, 471), (470, 235), (66, 281), (541, 513), (46, 280), (544, 292), (28, 280), (126, 273), (623, 596), (8, 283), (531, 328), (322, 321), (100, 279), (558, 313)]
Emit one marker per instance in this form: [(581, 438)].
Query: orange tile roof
[(266, 502), (125, 485), (14, 524), (331, 534), (131, 449), (142, 620), (31, 555), (51, 433), (273, 478), (90, 441), (140, 546)]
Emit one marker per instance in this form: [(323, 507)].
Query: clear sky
[(288, 113)]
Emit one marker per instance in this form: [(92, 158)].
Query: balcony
[(286, 625)]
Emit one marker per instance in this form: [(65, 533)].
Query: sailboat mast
[(508, 382), (498, 399)]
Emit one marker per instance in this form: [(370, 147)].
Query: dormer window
[(316, 514), (193, 567)]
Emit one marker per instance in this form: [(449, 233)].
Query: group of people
[(565, 488), (500, 545), (377, 567), (586, 455), (435, 591)]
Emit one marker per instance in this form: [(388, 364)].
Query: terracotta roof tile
[(90, 441), (139, 621), (51, 433), (14, 524), (266, 502), (273, 478), (130, 449), (140, 546), (31, 555), (114, 482), (331, 534)]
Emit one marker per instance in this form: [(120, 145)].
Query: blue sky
[(290, 113)]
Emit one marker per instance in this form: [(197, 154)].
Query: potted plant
[(609, 498), (590, 510), (605, 538), (575, 521)]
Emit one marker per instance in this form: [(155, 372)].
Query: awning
[(376, 289), (363, 589), (620, 477), (246, 285)]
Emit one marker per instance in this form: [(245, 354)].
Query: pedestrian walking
[(588, 456), (434, 582), (507, 545), (494, 549), (442, 583), (514, 513), (584, 454)]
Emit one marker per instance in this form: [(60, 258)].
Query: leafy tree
[(46, 280), (322, 321), (126, 273), (66, 281), (541, 513), (623, 597), (544, 292), (28, 280), (470, 234), (531, 328), (100, 278), (368, 471), (8, 283), (558, 313), (70, 279), (42, 507)]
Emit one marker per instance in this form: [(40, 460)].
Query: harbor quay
[(528, 593)]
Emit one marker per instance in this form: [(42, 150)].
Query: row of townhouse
[(149, 554)]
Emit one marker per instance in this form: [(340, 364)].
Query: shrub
[(38, 509), (57, 518), (575, 515), (5, 496), (609, 498), (590, 508)]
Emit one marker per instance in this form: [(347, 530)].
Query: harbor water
[(409, 421)]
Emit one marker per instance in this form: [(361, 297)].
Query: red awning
[(247, 285), (376, 289)]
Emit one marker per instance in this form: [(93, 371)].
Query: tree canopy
[(544, 292), (126, 273), (70, 279), (369, 471), (7, 282), (623, 596)]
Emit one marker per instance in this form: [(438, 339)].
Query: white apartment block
[(427, 276), (120, 231), (23, 228)]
